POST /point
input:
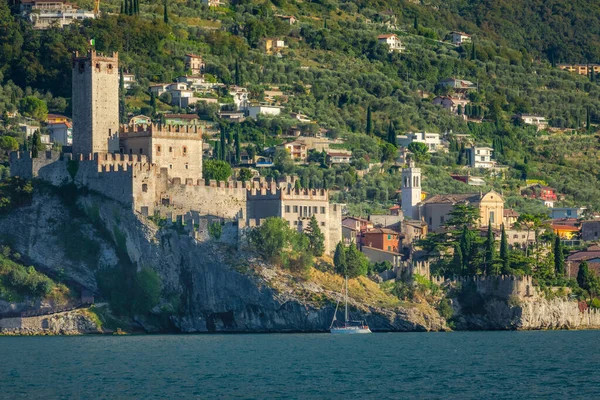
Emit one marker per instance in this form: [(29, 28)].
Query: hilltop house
[(55, 119), (453, 104), (392, 41), (353, 229), (265, 109), (432, 140), (480, 157), (581, 69), (273, 44), (458, 85), (541, 192), (194, 63), (339, 156), (297, 150), (288, 19), (459, 38), (510, 217), (61, 133), (45, 13), (566, 212), (539, 122), (128, 80)]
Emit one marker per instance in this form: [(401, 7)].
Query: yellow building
[(581, 69), (436, 209)]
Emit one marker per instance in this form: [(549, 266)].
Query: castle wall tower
[(95, 103), (411, 191)]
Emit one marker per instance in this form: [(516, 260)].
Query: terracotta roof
[(385, 231), (193, 55), (386, 36), (583, 256), (453, 198), (509, 212), (396, 207)]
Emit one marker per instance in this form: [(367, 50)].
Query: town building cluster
[(156, 169)]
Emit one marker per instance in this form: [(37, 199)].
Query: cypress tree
[(36, 144), (391, 136), (416, 24), (339, 258), (473, 53), (237, 146), (217, 152), (466, 245), (165, 13), (237, 73), (490, 250), (504, 254), (457, 260), (130, 7), (592, 74), (223, 145), (587, 118), (369, 122), (122, 8), (126, 7), (559, 259), (583, 276)]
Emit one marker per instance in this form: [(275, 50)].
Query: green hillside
[(334, 69)]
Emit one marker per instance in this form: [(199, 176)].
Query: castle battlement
[(159, 130), (92, 55)]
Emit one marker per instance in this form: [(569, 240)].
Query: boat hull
[(349, 331)]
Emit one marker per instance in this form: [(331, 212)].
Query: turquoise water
[(459, 365)]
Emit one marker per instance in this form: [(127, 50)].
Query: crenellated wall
[(501, 286)]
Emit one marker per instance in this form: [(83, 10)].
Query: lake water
[(458, 365)]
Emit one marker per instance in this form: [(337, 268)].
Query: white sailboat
[(349, 327)]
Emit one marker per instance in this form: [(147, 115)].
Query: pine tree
[(559, 258), (369, 122), (490, 250), (339, 258), (316, 239), (504, 254), (466, 247), (165, 13)]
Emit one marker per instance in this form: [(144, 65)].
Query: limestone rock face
[(541, 313), (209, 283), (68, 323)]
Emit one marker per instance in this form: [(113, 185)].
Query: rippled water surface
[(460, 365)]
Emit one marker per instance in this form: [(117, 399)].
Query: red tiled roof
[(386, 36)]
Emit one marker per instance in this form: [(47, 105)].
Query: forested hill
[(334, 70), (563, 30)]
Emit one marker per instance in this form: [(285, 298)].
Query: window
[(145, 187), (442, 219), (170, 149), (184, 150), (389, 237), (491, 217), (322, 223), (158, 148), (97, 67), (322, 210), (130, 151), (295, 209), (141, 151), (187, 166), (389, 248), (110, 68), (515, 236), (170, 166), (287, 209), (430, 221), (315, 210)]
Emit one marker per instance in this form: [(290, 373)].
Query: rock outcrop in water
[(208, 285)]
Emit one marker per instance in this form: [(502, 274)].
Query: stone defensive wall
[(221, 199), (502, 286), (160, 130)]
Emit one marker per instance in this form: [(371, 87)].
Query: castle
[(157, 169)]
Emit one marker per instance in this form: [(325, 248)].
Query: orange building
[(383, 239)]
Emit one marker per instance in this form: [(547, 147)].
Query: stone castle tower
[(95, 103), (411, 191)]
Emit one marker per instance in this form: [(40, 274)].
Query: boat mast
[(346, 298)]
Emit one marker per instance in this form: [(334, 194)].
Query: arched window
[(158, 148), (170, 149), (97, 67), (144, 187), (184, 150), (141, 151)]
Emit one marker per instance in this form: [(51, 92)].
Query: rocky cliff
[(67, 323), (206, 286), (532, 313)]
